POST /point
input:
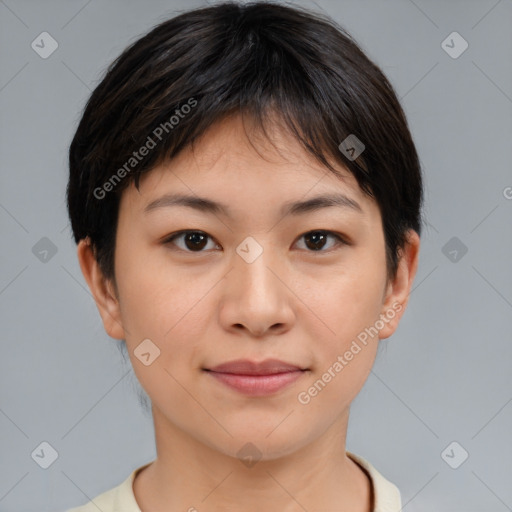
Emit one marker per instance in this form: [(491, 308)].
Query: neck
[(189, 475)]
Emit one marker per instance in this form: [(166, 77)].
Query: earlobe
[(398, 291), (102, 290)]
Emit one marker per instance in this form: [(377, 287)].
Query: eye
[(316, 240), (196, 241)]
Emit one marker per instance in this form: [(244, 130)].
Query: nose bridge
[(251, 268), (256, 298)]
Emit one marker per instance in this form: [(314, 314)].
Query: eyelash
[(341, 241)]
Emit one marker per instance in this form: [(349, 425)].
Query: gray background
[(446, 374)]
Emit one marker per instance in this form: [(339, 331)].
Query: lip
[(247, 367), (256, 378)]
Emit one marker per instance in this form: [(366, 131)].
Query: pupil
[(317, 239), (197, 240)]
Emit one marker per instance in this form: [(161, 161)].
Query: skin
[(291, 303)]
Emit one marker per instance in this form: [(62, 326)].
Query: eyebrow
[(206, 205)]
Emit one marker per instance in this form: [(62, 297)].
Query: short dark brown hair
[(258, 59)]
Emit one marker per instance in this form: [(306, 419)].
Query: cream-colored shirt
[(122, 499)]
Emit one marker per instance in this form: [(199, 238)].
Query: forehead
[(239, 166)]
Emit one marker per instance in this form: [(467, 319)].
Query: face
[(253, 279)]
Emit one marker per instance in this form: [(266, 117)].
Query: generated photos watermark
[(151, 142), (304, 397)]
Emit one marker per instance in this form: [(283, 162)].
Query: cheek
[(166, 307), (347, 302), (345, 356), (353, 311), (170, 313)]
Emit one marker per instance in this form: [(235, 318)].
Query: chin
[(253, 445)]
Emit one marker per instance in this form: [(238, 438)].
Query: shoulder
[(118, 499), (386, 494), (104, 502)]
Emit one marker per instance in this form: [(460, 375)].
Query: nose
[(256, 297)]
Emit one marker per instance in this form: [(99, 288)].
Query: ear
[(398, 290), (102, 290)]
